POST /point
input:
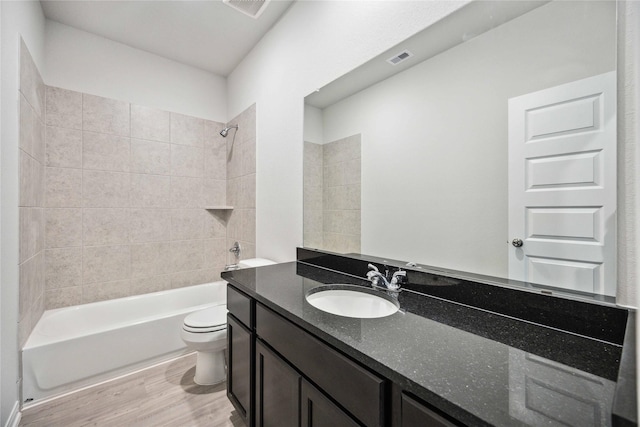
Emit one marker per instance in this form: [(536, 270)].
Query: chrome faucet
[(379, 280)]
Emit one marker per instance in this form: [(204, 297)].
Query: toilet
[(205, 331)]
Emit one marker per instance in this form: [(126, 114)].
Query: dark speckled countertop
[(480, 367)]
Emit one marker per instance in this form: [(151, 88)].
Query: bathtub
[(73, 347)]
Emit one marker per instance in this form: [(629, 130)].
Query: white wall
[(19, 18), (434, 137), (313, 44), (313, 126), (87, 63)]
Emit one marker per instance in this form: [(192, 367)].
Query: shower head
[(224, 132)]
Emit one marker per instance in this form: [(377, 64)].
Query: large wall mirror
[(411, 161)]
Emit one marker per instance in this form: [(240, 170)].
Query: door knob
[(517, 242)]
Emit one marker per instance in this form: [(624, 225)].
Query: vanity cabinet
[(240, 350), (281, 375)]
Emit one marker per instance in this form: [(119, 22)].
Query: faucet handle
[(399, 276), (373, 267)]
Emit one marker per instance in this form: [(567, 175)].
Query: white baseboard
[(15, 416)]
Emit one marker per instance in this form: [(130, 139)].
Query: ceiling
[(205, 34)]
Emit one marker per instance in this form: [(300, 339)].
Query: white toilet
[(205, 331)]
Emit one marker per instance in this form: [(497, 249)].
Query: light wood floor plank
[(163, 395)]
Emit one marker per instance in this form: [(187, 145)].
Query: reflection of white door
[(562, 185)]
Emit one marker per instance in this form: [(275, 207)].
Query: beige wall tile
[(37, 309), (313, 240), (248, 160), (234, 159), (31, 232), (64, 297), (105, 115), (101, 151), (233, 225), (187, 130), (63, 187), (145, 285), (27, 125), (39, 141), (334, 174), (105, 291), (233, 191), (187, 224), (351, 222), (150, 123), (31, 84), (187, 255), (313, 221), (150, 157), (248, 191), (150, 259), (31, 283), (102, 189), (31, 181), (353, 196), (105, 263), (186, 192), (63, 227), (215, 253), (215, 152), (105, 226), (63, 108), (64, 147), (195, 277), (214, 192), (187, 161), (215, 224), (63, 267), (150, 191), (150, 225), (353, 171), (248, 226)]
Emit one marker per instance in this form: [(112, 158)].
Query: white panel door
[(562, 186)]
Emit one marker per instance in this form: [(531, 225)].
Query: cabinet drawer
[(359, 391), (416, 414), (239, 305)]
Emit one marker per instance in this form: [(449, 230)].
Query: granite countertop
[(473, 364)]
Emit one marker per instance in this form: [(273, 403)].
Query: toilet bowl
[(205, 331)]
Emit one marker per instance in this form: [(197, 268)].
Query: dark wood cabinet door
[(316, 410), (277, 390), (415, 414), (239, 366)]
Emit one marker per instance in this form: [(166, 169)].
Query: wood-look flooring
[(162, 395)]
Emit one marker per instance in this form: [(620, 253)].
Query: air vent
[(252, 8), (402, 56)]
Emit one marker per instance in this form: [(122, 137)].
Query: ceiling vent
[(402, 56), (252, 8)]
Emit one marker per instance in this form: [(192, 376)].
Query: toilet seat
[(208, 320)]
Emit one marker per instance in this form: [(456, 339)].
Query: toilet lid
[(207, 318)]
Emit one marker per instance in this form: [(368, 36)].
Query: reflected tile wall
[(124, 188), (341, 211)]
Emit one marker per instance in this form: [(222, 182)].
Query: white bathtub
[(77, 346)]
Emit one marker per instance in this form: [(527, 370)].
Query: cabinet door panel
[(318, 411), (415, 414), (239, 367), (358, 390), (277, 390)]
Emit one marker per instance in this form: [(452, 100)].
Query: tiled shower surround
[(332, 195), (114, 198)]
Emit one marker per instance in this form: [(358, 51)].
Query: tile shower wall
[(241, 183), (32, 159), (332, 195), (125, 192)]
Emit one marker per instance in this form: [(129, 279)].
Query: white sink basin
[(352, 301)]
